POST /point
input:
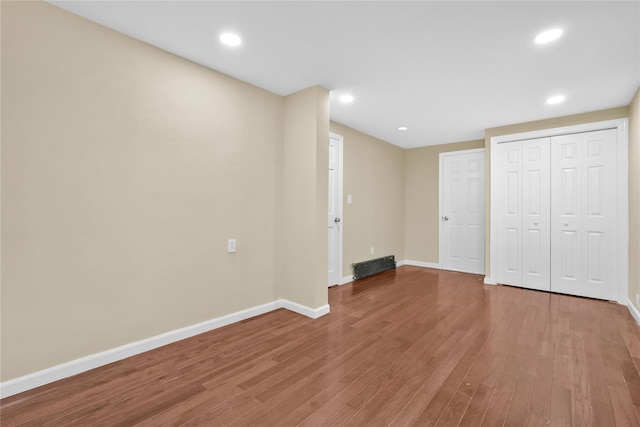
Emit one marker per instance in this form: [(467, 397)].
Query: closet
[(557, 213)]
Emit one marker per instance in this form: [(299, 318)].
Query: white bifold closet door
[(557, 214), (584, 214), (524, 258)]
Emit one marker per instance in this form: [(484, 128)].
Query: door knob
[(336, 219), (445, 218)]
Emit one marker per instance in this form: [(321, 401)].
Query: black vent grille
[(373, 266)]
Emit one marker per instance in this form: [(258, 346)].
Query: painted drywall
[(422, 199), (124, 171), (594, 116), (634, 198), (0, 194), (374, 177), (303, 234)]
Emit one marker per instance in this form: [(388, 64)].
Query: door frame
[(339, 145), (622, 178), (441, 194)]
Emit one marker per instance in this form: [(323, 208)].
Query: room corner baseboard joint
[(421, 264), (345, 280), (634, 311)]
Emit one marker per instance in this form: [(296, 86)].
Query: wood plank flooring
[(413, 346)]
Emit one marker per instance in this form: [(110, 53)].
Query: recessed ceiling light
[(548, 36), (230, 39), (403, 128), (346, 99), (556, 99)]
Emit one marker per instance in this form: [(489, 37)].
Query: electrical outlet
[(231, 245), (373, 250)]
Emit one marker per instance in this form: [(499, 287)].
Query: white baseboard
[(421, 264), (313, 313), (83, 364), (634, 311), (349, 279), (489, 281), (345, 280)]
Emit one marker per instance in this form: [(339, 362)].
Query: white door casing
[(462, 210), (334, 217)]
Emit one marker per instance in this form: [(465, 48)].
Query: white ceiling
[(447, 70)]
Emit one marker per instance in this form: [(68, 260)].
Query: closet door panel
[(584, 222), (600, 215), (509, 156), (536, 211), (524, 212), (566, 223)]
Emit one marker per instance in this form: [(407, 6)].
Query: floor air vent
[(373, 266)]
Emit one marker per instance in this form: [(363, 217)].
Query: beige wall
[(124, 171), (422, 199), (0, 195), (594, 116), (303, 274), (634, 198), (374, 176)]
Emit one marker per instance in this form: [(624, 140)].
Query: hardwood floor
[(413, 346)]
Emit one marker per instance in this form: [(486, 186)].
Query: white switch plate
[(373, 250), (231, 245), (349, 199)]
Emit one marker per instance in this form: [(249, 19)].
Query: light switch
[(231, 245), (349, 199)]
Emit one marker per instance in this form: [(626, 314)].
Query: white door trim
[(622, 126), (440, 194), (339, 143)]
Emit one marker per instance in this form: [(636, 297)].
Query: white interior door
[(584, 215), (334, 217), (462, 197)]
